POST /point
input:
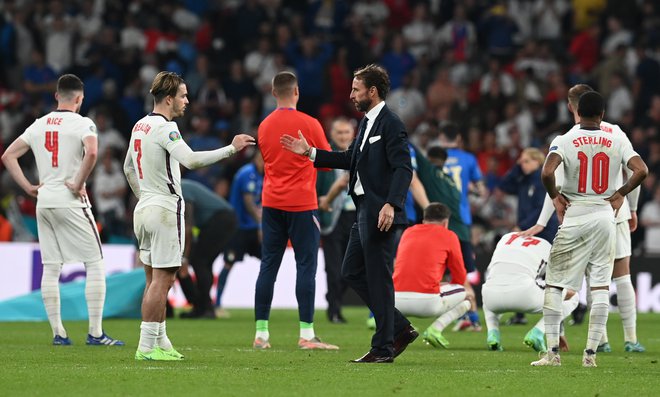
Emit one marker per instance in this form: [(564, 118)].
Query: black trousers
[(212, 239), (334, 248), (368, 267)]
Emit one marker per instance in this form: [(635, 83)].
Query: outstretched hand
[(532, 231), (241, 141), (297, 146)]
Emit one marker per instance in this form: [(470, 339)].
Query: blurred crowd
[(500, 70)]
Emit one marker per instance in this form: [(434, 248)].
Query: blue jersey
[(411, 214), (247, 180), (463, 168)]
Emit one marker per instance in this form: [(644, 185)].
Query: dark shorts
[(244, 242), (468, 256)]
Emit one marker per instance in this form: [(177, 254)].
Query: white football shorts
[(623, 244), (584, 243), (512, 293), (418, 304), (160, 236), (68, 235)]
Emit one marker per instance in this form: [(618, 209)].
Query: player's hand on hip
[(386, 217), (78, 191), (324, 204), (632, 222), (33, 190), (297, 146), (616, 201), (240, 141), (532, 231), (561, 203)]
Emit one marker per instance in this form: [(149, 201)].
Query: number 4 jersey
[(56, 140), (591, 161)]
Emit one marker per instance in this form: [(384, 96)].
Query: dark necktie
[(363, 130)]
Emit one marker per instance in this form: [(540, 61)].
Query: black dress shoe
[(337, 319), (403, 339), (373, 358)]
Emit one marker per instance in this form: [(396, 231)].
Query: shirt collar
[(373, 113)]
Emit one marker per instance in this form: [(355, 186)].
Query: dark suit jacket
[(384, 165)]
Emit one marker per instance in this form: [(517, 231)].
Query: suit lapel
[(374, 129)]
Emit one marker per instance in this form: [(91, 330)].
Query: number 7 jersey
[(591, 161), (152, 139), (56, 140)]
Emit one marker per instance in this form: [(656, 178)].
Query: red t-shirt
[(424, 253), (289, 179)]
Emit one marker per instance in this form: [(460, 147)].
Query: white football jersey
[(519, 255), (158, 174), (592, 161), (56, 140)]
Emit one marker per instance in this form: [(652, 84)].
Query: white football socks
[(600, 307), (162, 340), (148, 336), (567, 308), (493, 320), (627, 307), (552, 315), (452, 315), (50, 293), (95, 296)]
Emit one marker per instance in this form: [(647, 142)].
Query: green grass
[(220, 362)]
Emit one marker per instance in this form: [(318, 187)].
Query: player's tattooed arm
[(131, 175)]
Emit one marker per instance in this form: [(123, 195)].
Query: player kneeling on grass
[(515, 283), (425, 252)]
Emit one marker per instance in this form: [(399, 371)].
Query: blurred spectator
[(459, 35), (419, 32), (650, 219), (585, 50), (500, 212), (398, 61), (39, 79), (547, 17), (109, 192), (309, 59), (495, 73), (620, 100), (499, 31), (109, 139), (407, 101)]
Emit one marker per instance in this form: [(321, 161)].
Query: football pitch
[(221, 362)]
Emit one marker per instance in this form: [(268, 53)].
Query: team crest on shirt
[(92, 128), (553, 148), (175, 136)]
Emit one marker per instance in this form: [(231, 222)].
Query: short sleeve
[(88, 128), (169, 136), (475, 172), (28, 134), (318, 136), (413, 157), (556, 147), (627, 151)]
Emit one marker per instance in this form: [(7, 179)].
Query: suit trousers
[(334, 248), (368, 267)]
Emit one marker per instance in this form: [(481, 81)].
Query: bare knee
[(621, 267)]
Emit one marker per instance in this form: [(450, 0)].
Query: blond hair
[(534, 154), (575, 92), (165, 84)]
